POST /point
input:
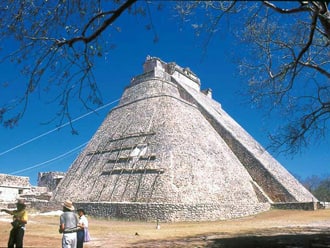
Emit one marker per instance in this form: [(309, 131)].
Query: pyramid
[(168, 151)]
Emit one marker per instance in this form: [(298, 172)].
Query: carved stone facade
[(50, 180), (12, 187), (169, 151)]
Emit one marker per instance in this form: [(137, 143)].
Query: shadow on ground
[(276, 241), (248, 241)]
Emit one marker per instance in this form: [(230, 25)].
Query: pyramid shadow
[(301, 240), (273, 241)]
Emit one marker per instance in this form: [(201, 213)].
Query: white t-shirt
[(83, 220)]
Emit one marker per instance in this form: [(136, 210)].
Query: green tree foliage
[(318, 186), (322, 192), (312, 182)]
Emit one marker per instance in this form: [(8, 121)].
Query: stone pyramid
[(168, 151)]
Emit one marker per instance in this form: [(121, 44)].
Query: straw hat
[(68, 204)]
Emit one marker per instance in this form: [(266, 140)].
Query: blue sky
[(34, 146)]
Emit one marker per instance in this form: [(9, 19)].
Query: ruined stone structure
[(50, 179), (17, 187), (12, 187), (168, 151)]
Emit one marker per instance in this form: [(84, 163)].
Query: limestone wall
[(197, 162), (14, 181), (268, 173), (43, 206), (174, 168), (11, 187), (297, 205), (8, 194), (50, 179), (171, 212)]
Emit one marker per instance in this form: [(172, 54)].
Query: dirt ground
[(275, 228)]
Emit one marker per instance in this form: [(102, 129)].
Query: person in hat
[(83, 233), (20, 218), (68, 225)]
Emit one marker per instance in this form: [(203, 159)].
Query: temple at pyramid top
[(156, 68), (169, 152)]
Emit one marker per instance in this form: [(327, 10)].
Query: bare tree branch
[(105, 24), (301, 8)]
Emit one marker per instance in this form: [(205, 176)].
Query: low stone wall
[(45, 206), (170, 212), (297, 205), (158, 211)]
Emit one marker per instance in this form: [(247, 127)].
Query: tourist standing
[(20, 218), (68, 225), (83, 233)]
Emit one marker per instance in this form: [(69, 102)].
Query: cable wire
[(55, 129), (50, 160)]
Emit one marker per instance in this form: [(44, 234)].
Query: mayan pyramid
[(169, 151)]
